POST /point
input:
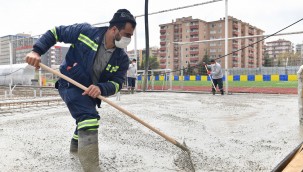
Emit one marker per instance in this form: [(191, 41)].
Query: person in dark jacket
[(97, 60)]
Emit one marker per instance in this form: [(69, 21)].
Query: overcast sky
[(37, 16)]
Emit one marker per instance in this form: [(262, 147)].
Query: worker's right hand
[(33, 59), (93, 91)]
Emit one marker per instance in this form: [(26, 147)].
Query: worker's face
[(123, 37)]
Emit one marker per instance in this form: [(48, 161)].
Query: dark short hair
[(212, 60), (134, 60), (121, 17)]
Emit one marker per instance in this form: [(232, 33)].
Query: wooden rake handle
[(173, 141), (210, 77)]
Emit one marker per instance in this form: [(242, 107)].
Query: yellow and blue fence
[(230, 78)]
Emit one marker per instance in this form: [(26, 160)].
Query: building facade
[(153, 52), (187, 29), (274, 48), (299, 50), (21, 44), (54, 56)]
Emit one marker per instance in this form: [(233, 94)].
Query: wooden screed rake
[(173, 141)]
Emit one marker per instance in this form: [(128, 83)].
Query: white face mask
[(212, 65), (123, 42)]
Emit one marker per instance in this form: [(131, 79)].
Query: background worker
[(217, 75), (131, 76), (95, 59)]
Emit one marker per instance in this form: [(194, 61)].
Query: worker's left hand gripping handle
[(33, 59)]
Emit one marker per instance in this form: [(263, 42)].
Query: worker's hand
[(93, 91), (33, 59), (208, 72)]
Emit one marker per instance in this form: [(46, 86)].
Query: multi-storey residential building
[(153, 52), (274, 48), (299, 50), (54, 56), (187, 29), (131, 54), (21, 44)]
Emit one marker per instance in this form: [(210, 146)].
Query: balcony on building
[(235, 32), (250, 32), (192, 46), (162, 31), (162, 66), (163, 49), (194, 52), (162, 36), (194, 33), (194, 59), (194, 27), (193, 39), (162, 60), (235, 59), (235, 26), (162, 54), (163, 43)]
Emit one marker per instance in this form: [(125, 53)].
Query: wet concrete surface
[(240, 132)]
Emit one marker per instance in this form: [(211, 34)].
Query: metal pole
[(165, 74), (170, 79), (11, 67), (226, 46), (146, 46), (181, 63), (136, 56), (167, 55)]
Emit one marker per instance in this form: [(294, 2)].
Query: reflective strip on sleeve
[(89, 123), (116, 85), (55, 33), (76, 137), (88, 42), (92, 129)]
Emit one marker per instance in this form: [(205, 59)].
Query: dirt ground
[(239, 132)]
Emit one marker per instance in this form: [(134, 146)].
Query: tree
[(288, 59), (267, 61), (206, 59), (153, 63)]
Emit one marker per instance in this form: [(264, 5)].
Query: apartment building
[(153, 52), (299, 50), (21, 44), (187, 29), (54, 56), (274, 48)]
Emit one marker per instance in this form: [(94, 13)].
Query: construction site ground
[(238, 132)]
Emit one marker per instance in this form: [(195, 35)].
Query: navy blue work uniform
[(85, 40)]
